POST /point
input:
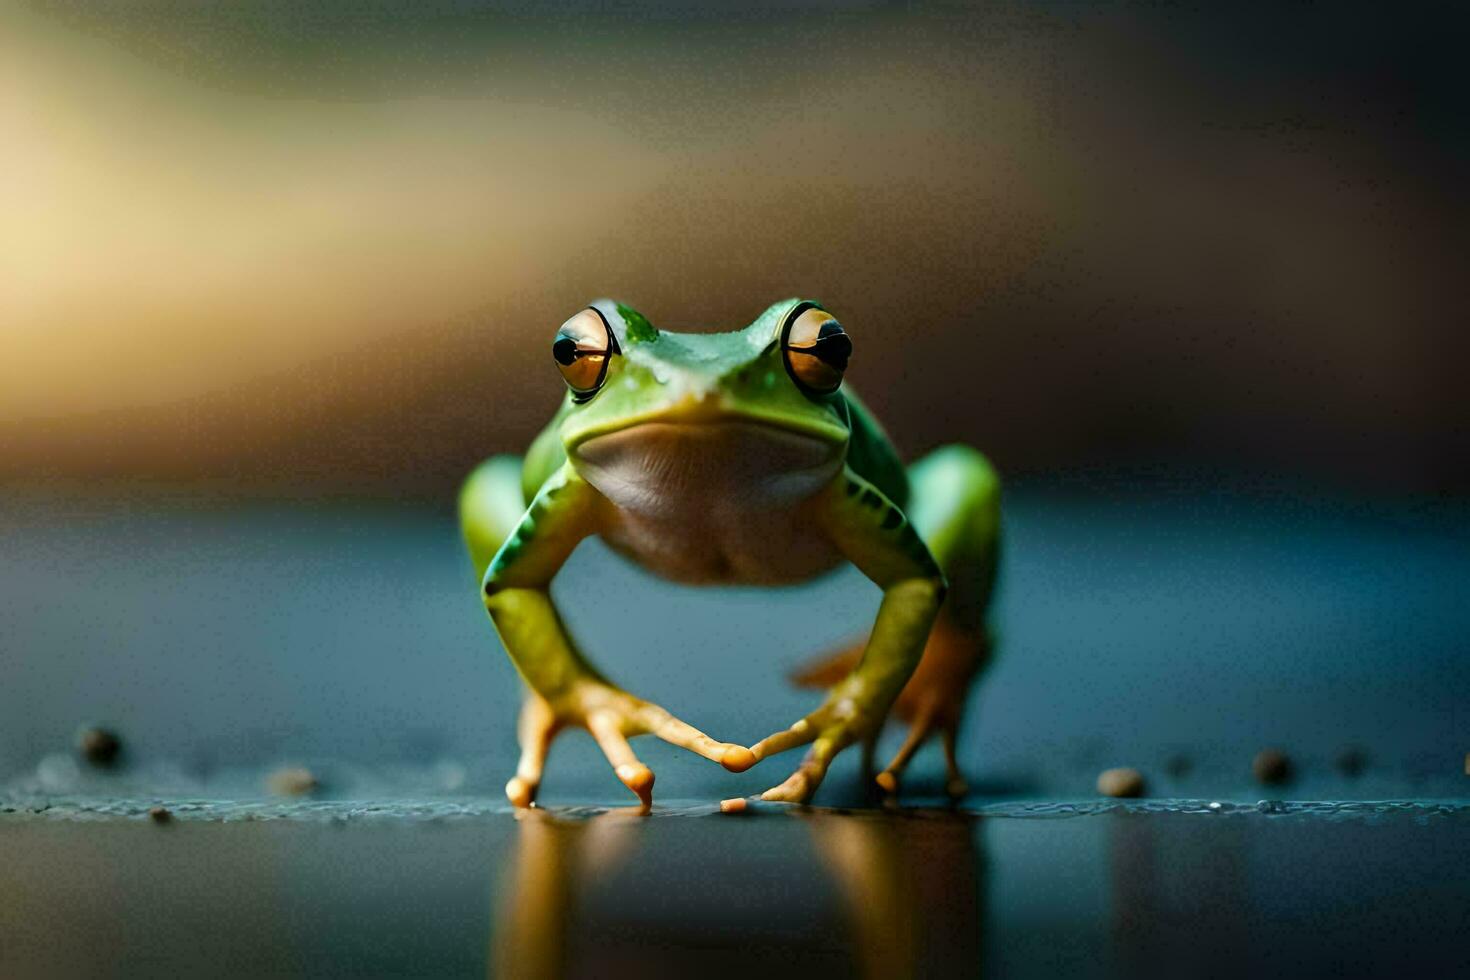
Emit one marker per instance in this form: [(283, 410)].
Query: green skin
[(702, 459)]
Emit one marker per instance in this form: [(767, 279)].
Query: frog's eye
[(582, 348), (816, 349)]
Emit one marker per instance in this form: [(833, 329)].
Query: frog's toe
[(804, 731), (607, 727), (954, 783), (797, 788), (920, 729), (802, 784), (520, 792), (538, 726), (923, 725), (638, 778), (737, 758), (660, 723)]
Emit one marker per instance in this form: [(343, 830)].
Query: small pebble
[(1351, 761), (736, 805), (159, 814), (1121, 782), (1271, 766), (99, 746), (291, 781)]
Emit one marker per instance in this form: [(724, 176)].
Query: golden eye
[(816, 349), (582, 348)]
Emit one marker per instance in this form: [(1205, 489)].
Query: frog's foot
[(830, 729), (928, 718), (612, 717), (934, 700)]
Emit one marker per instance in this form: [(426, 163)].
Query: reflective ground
[(1177, 630), (688, 892)]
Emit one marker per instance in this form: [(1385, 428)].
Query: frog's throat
[(741, 464)]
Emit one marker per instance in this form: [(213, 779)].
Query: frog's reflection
[(912, 888), (909, 886), (554, 859)]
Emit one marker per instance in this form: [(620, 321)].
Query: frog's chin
[(660, 467)]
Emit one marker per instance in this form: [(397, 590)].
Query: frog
[(740, 457)]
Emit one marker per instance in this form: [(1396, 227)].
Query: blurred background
[(322, 250), (274, 277)]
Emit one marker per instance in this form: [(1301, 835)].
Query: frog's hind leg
[(954, 504), (491, 505)]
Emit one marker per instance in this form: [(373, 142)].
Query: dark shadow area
[(779, 894)]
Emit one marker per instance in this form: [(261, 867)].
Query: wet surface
[(1179, 633), (1044, 891)]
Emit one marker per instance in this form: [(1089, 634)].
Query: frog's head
[(746, 416)]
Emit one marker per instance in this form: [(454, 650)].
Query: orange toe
[(520, 792), (737, 758), (639, 779)]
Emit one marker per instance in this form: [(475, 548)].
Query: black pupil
[(833, 346), (564, 349)]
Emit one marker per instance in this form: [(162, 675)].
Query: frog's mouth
[(656, 465)]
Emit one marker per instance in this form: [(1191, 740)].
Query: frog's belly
[(716, 502), (745, 548)]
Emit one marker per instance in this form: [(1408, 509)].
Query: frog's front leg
[(875, 535), (566, 690)]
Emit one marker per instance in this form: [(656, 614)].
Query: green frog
[(736, 458)]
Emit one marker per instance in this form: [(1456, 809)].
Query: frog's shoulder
[(870, 453), (546, 454)]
